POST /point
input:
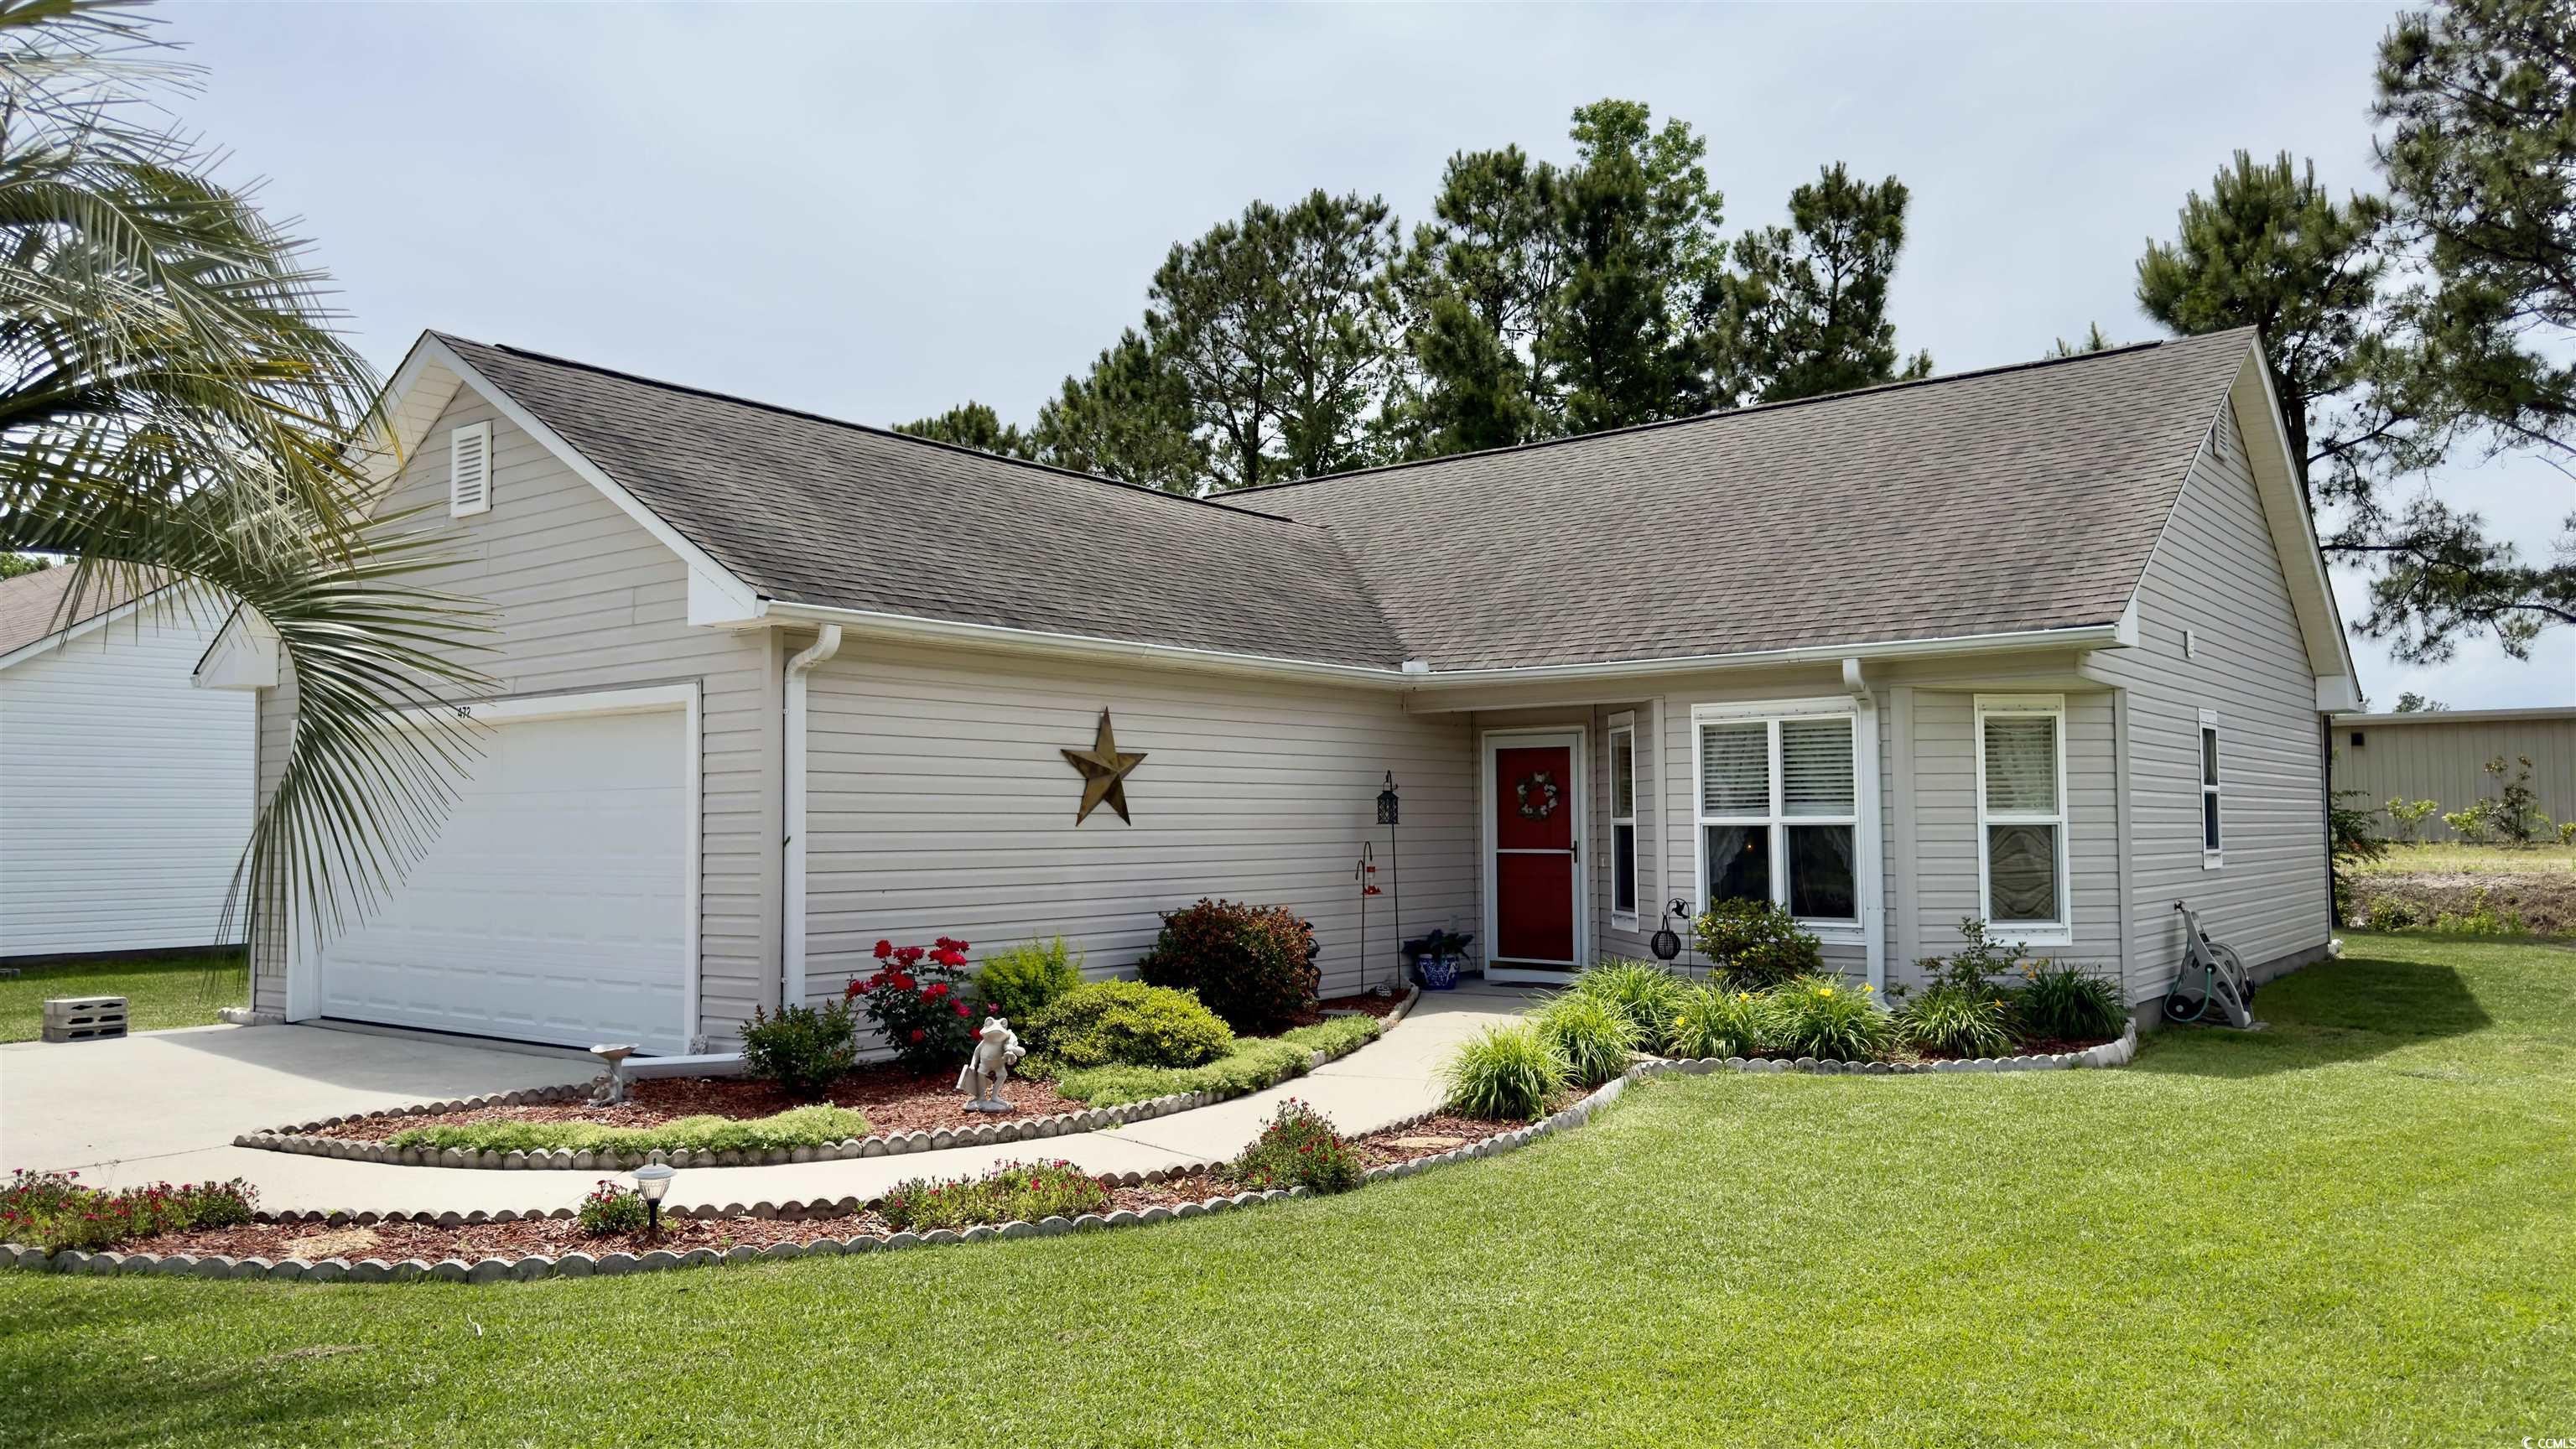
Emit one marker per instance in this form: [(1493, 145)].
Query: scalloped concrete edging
[(296, 1139), (584, 1265)]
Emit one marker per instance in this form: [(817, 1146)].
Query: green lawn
[(2448, 857), (160, 993), (2358, 1228)]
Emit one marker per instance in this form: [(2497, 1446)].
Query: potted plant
[(1437, 958)]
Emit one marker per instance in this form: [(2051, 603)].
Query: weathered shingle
[(2024, 498), (34, 605)]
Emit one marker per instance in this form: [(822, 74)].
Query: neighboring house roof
[(32, 605), (2460, 716), (2013, 501)]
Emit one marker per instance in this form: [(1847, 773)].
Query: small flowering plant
[(53, 1211), (1297, 1148), (916, 999), (613, 1209)]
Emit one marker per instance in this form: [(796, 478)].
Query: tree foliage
[(1805, 310), (1129, 419), (12, 565), (973, 425)]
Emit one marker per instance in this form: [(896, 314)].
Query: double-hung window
[(2021, 816), (2210, 853), (1623, 823), (1779, 803)]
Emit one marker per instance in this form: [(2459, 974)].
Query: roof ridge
[(1716, 414), (555, 360)]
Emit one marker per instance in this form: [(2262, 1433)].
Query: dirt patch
[(894, 1100), (1429, 1137), (2545, 902)]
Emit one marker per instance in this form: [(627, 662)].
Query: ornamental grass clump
[(1646, 994), (1297, 1148), (1958, 1021), (1714, 1019), (1588, 1034), (613, 1209), (1505, 1072), (52, 1211), (1014, 1192), (1125, 1023), (1821, 1017), (916, 999), (2061, 1002)]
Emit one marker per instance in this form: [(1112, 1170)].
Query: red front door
[(1535, 876)]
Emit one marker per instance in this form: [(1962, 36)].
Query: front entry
[(1534, 916)]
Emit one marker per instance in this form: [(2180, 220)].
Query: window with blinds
[(2021, 811), (1778, 813)]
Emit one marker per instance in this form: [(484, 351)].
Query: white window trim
[(2060, 932), (1863, 820), (456, 439), (1577, 738), (2208, 759), (1623, 724)]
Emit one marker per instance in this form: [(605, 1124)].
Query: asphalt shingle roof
[(2022, 498), (32, 605)]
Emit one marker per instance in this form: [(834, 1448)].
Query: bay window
[(1779, 811), (2021, 816)]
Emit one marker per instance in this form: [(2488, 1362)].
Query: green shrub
[(1252, 1064), (1980, 965), (1012, 1193), (1821, 1017), (796, 1127), (1714, 1019), (1105, 1023), (2060, 1002), (1643, 992), (1589, 1034), (1505, 1072), (2481, 919), (1252, 965), (1016, 983), (2388, 913), (1756, 945), (916, 1000), (51, 1210), (1297, 1148), (613, 1208), (802, 1051), (1957, 1021)]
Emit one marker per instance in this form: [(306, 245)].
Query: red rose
[(884, 949), (918, 1033), (937, 989), (961, 1008)]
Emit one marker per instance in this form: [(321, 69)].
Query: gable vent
[(469, 470)]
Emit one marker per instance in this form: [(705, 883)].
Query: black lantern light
[(1386, 801), (1666, 943)]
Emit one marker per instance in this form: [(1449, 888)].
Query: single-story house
[(2048, 644), (126, 795), (2442, 755)]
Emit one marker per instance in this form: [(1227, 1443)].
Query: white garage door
[(552, 908)]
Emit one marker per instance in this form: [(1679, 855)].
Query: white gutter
[(791, 949), (2088, 636)]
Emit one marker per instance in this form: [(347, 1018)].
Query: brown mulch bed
[(1430, 1137), (894, 1099)]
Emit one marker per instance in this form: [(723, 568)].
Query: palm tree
[(175, 405)]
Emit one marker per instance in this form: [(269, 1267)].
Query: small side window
[(2210, 841)]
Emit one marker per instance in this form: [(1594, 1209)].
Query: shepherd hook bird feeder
[(1389, 808)]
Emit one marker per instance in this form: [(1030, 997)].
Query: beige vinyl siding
[(939, 803), (2216, 573), (1945, 846), (585, 599), (2435, 759)]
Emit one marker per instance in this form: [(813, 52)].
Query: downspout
[(1870, 889), (791, 949)]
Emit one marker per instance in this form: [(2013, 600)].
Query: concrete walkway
[(1386, 1081)]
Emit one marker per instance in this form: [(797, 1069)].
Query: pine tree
[(973, 425), (2094, 341), (1804, 311), (1130, 419), (1471, 294)]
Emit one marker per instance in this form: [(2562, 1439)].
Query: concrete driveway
[(166, 1105)]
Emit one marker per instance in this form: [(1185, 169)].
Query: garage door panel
[(551, 907)]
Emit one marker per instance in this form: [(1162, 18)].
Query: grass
[(160, 993), (1251, 1064), (807, 1126), (2351, 1229), (2450, 857)]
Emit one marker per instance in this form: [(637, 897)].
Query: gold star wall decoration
[(1104, 773)]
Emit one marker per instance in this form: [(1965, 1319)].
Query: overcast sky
[(874, 213)]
